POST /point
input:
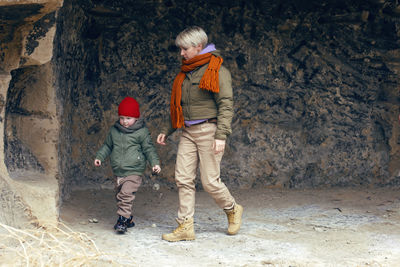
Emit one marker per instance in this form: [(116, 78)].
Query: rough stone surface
[(316, 85), (12, 208), (28, 113)]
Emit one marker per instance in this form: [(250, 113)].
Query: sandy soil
[(331, 227)]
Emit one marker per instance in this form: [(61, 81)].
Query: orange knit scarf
[(209, 82)]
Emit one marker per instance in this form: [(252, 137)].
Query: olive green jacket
[(129, 151), (202, 104)]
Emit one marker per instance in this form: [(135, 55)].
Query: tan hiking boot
[(185, 231), (234, 219)]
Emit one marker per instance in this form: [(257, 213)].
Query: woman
[(202, 105)]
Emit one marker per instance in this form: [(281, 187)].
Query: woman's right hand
[(161, 139)]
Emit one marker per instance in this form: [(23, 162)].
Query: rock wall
[(316, 85), (28, 113)]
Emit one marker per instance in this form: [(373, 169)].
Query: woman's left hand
[(218, 146)]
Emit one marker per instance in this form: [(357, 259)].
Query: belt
[(212, 120)]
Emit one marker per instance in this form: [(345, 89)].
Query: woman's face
[(191, 52)]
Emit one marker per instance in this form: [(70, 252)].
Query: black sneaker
[(130, 223), (121, 224)]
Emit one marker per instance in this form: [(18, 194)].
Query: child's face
[(127, 121)]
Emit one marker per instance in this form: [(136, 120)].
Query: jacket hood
[(136, 126)]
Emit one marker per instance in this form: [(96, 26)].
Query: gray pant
[(126, 187)]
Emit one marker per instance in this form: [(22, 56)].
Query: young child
[(129, 145)]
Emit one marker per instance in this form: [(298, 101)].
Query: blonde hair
[(191, 36)]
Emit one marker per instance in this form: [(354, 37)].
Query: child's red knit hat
[(129, 107)]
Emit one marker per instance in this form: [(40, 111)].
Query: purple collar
[(209, 48)]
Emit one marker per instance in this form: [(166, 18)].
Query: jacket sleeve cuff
[(220, 136)]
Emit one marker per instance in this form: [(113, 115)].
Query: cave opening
[(316, 107)]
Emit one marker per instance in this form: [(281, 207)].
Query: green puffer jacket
[(129, 149), (202, 104)]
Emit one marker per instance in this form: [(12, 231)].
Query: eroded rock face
[(28, 113), (13, 209), (316, 85)]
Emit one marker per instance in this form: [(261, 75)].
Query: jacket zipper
[(123, 137), (188, 96)]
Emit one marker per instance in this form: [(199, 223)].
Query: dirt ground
[(329, 227)]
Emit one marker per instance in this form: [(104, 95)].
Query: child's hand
[(97, 162), (156, 169)]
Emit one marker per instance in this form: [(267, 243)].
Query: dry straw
[(53, 246)]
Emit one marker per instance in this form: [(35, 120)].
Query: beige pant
[(195, 150), (126, 187)]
